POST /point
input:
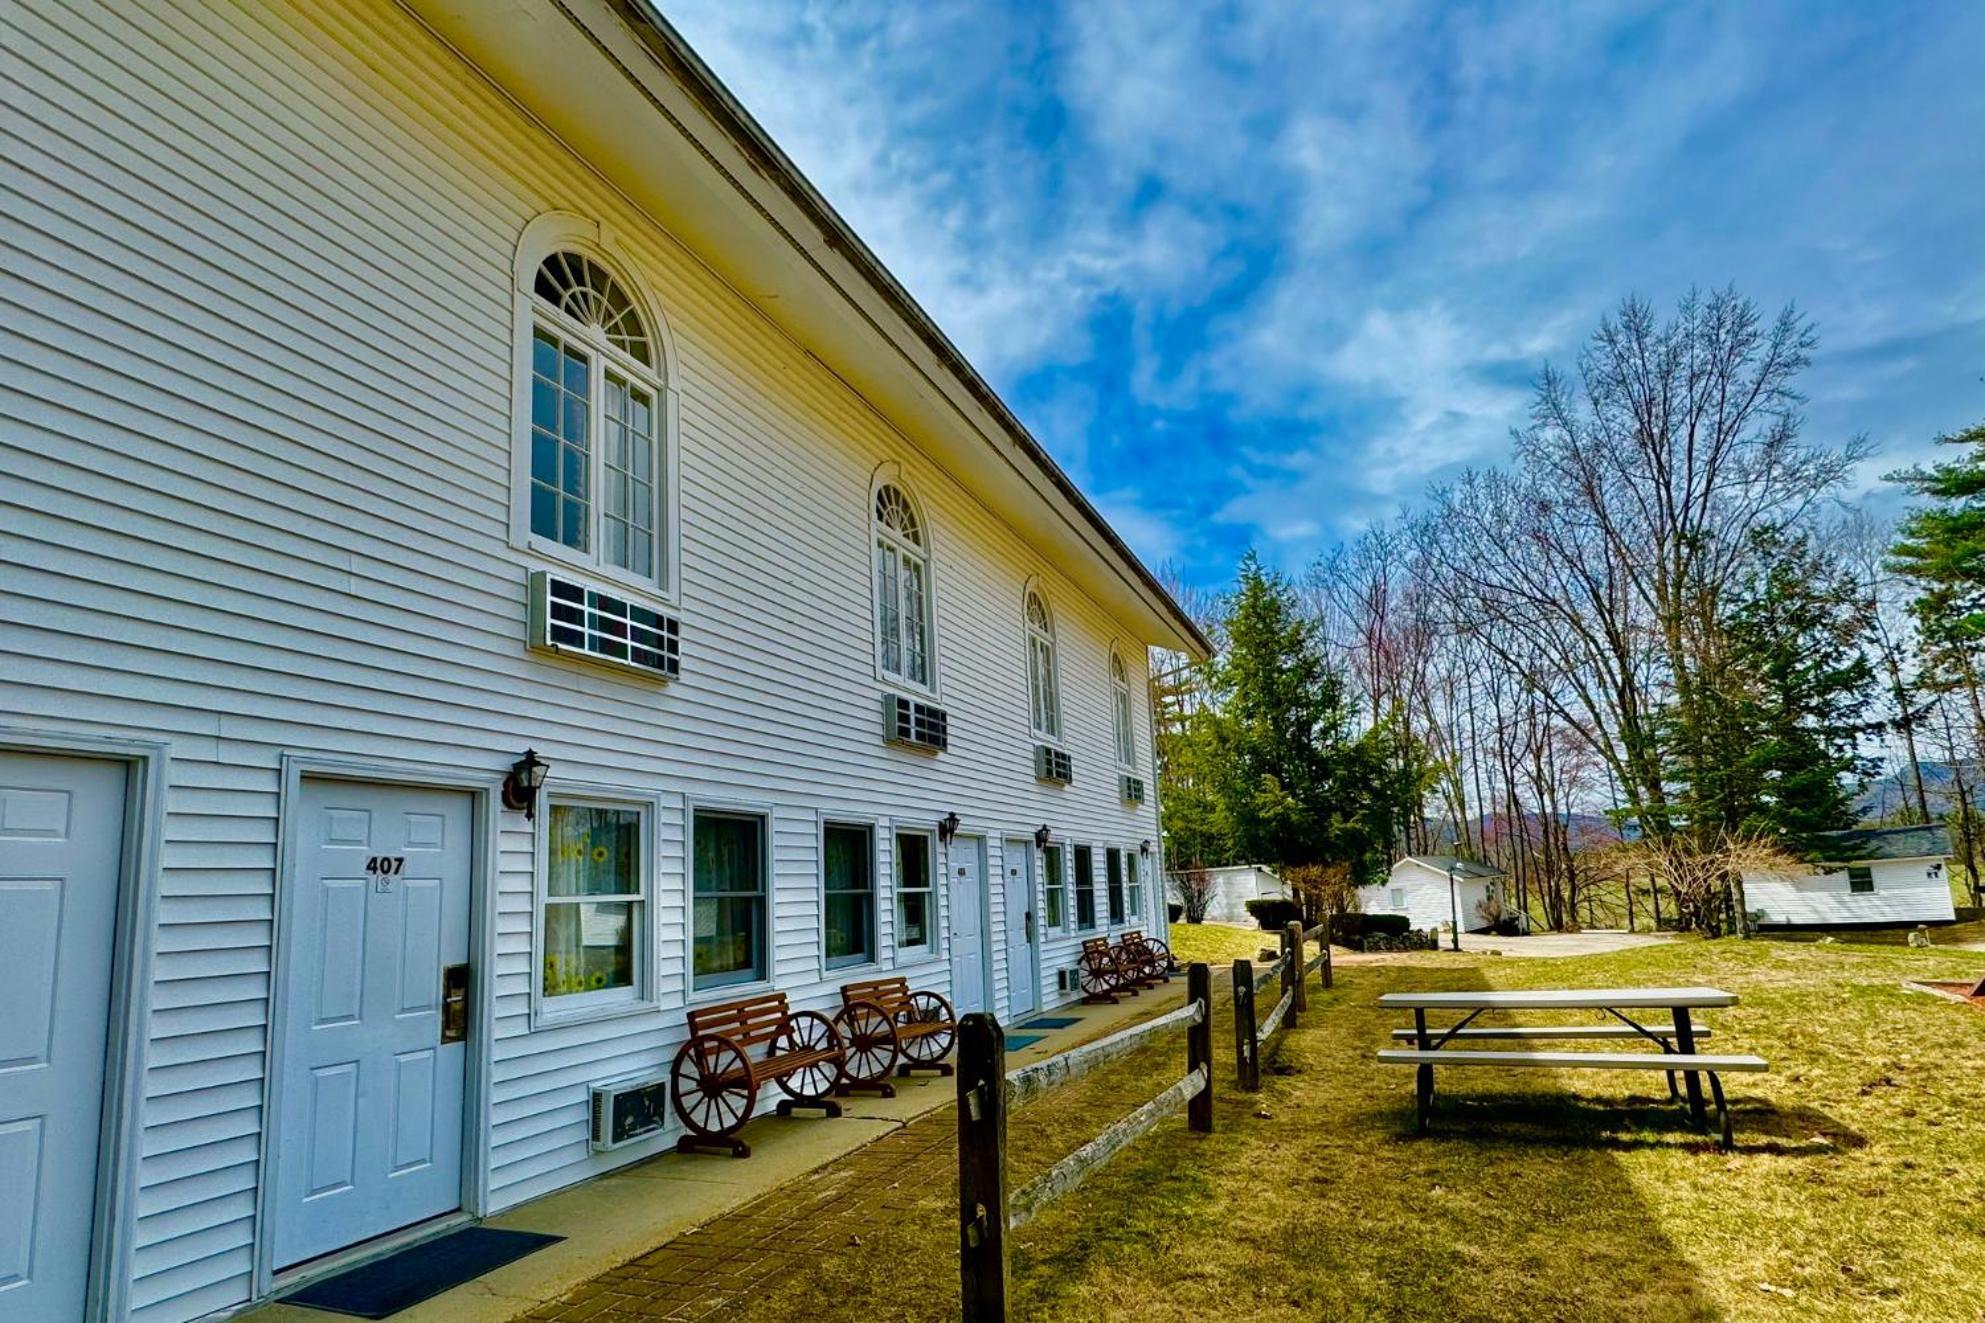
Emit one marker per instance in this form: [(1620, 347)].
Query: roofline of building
[(680, 59)]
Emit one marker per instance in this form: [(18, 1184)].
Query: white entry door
[(969, 983), (370, 1134), (1021, 1000), (61, 853)]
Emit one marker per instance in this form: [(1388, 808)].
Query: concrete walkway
[(649, 1210)]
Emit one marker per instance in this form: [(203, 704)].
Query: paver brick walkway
[(696, 1275)]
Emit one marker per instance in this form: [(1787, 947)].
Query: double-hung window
[(1120, 709), (903, 618), (914, 915), (1134, 887), (730, 884), (1113, 869), (847, 867), (597, 465), (1860, 878), (1043, 673), (1055, 892), (1085, 888), (595, 905)]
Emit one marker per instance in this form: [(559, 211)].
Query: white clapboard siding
[(258, 316), (1906, 891)]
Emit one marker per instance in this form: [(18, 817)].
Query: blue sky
[(1258, 273)]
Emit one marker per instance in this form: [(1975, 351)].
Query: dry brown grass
[(1854, 1193)]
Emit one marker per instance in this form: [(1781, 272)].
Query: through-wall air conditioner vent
[(915, 725), (627, 1110), (1133, 789), (575, 620), (1052, 764)]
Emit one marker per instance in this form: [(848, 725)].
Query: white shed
[(1431, 889), (1232, 887), (1870, 876)]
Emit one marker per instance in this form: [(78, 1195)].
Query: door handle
[(454, 1003)]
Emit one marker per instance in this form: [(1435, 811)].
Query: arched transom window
[(1043, 683), (597, 468), (902, 588), (1120, 700)]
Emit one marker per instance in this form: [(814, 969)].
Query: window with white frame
[(1398, 898), (1134, 886), (597, 465), (1085, 888), (1113, 871), (1055, 890), (847, 877), (728, 868), (593, 904), (914, 916), (1860, 878), (1120, 707), (903, 619), (1043, 682)]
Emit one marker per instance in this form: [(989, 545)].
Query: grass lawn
[(1218, 944), (1856, 1191)]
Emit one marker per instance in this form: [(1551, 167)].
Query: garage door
[(61, 847)]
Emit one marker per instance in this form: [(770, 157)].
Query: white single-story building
[(1229, 889), (1874, 876), (1430, 890), (488, 560)]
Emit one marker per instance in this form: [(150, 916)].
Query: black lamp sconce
[(521, 786), (1144, 848), (947, 827), (1042, 837)]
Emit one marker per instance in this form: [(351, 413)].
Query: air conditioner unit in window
[(573, 619), (1052, 764), (915, 725), (627, 1110), (1133, 789)]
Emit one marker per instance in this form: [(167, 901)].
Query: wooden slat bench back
[(750, 1021), (892, 995)]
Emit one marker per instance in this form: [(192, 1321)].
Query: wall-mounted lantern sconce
[(1042, 837), (947, 827), (1144, 848), (1934, 872), (520, 788)]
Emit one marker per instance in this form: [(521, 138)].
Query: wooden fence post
[(1247, 1047), (1326, 948), (982, 1168), (1301, 1003), (1199, 1045)]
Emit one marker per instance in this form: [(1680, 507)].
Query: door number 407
[(384, 868)]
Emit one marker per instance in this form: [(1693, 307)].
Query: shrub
[(1404, 941), (1275, 913), (1507, 926), (1176, 912), (1351, 929)]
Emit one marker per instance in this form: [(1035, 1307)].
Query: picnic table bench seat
[(886, 1025), (715, 1078), (1676, 1039)]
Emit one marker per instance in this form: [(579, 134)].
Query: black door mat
[(384, 1287), (1051, 1022)]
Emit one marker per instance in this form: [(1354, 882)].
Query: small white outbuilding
[(1431, 889), (1229, 890), (1874, 877)]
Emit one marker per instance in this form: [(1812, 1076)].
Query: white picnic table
[(1676, 1039)]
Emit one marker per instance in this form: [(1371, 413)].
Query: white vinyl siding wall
[(257, 442), (1904, 893)]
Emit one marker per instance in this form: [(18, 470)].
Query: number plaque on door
[(455, 1004)]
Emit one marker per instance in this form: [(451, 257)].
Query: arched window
[(902, 588), (1120, 705), (598, 470), (1043, 682)]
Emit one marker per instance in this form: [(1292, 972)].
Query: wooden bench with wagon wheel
[(716, 1079), (886, 1026), (1144, 959), (1102, 974)]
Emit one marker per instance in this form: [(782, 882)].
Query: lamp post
[(1454, 903)]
